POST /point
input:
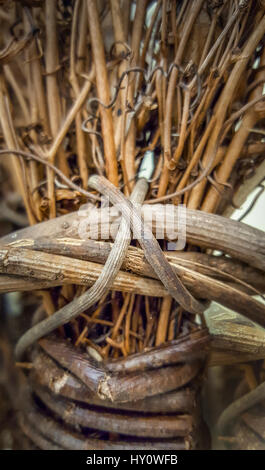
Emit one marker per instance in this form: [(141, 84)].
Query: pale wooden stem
[(11, 142), (71, 115), (61, 270), (80, 137), (53, 96), (103, 92), (161, 333), (52, 64)]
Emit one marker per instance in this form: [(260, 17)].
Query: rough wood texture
[(219, 267), (235, 339), (48, 374), (202, 229), (60, 270), (119, 388)]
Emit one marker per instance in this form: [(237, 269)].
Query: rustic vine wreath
[(120, 383), (162, 382)]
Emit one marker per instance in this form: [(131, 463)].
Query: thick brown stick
[(48, 374), (205, 230), (60, 270), (234, 337), (158, 427), (51, 431), (38, 265), (217, 267), (117, 388)]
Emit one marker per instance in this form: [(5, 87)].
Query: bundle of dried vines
[(89, 87)]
